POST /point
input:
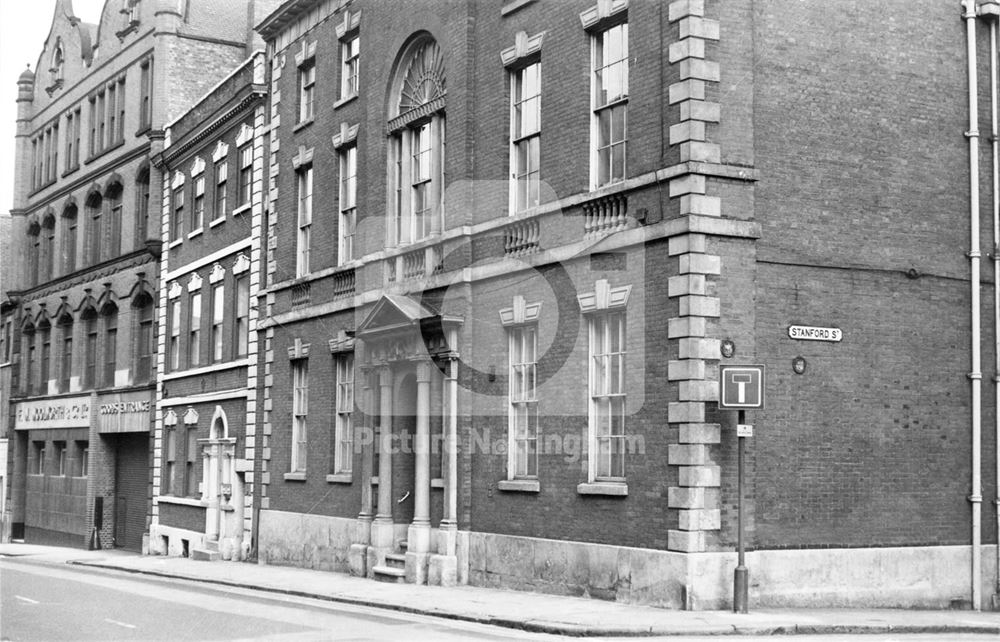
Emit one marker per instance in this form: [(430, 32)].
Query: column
[(422, 488), (419, 533), (357, 560), (382, 538), (443, 568)]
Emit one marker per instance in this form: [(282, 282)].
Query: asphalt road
[(48, 602)]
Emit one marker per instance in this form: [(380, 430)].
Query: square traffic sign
[(741, 387)]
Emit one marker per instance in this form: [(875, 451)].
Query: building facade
[(212, 167), (511, 245), (86, 243), (495, 260)]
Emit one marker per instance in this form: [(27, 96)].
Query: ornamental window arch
[(416, 151)]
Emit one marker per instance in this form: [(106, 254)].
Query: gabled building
[(86, 237), (213, 185)]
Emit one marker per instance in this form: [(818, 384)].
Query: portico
[(409, 369)]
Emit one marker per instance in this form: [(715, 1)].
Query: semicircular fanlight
[(424, 80)]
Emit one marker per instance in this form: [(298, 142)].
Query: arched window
[(113, 221), (66, 361), (34, 253), (30, 358), (44, 336), (70, 224), (110, 314), (417, 144), (93, 209), (89, 317), (143, 309), (220, 425), (48, 253), (58, 62), (142, 206)]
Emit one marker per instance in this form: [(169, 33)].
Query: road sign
[(741, 387), (744, 430), (811, 333)]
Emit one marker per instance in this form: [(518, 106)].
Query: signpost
[(741, 388)]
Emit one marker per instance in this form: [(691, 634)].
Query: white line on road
[(125, 624), (26, 599)]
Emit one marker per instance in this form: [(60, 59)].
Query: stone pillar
[(358, 556), (443, 569), (382, 531), (419, 533)]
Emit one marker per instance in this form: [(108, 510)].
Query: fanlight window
[(416, 163), (424, 80)]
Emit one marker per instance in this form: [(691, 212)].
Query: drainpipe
[(992, 9), (976, 374)]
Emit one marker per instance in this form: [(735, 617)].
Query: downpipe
[(975, 375), (993, 10)]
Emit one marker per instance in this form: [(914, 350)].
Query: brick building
[(510, 245), (212, 167), (86, 243), (499, 256)]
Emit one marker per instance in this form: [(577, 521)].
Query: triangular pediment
[(393, 312)]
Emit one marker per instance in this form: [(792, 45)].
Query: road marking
[(125, 624), (26, 599)]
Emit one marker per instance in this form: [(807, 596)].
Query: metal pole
[(741, 574)]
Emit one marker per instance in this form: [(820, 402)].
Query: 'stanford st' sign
[(811, 333)]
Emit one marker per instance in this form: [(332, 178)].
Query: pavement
[(573, 616)]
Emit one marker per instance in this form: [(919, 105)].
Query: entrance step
[(205, 555), (395, 560), (389, 574)]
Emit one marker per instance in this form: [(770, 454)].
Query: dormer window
[(56, 68), (130, 11)]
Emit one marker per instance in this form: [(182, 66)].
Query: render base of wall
[(307, 541), (899, 577), (902, 577)]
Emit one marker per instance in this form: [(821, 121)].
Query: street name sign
[(812, 333), (741, 387)]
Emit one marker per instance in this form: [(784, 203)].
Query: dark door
[(404, 429), (131, 482)]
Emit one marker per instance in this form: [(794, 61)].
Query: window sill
[(615, 489), (519, 485), (218, 221), (295, 477), (142, 130), (302, 125), (101, 152), (70, 170), (339, 478), (345, 100), (242, 209), (182, 501), (510, 6), (174, 243), (195, 233), (437, 482)]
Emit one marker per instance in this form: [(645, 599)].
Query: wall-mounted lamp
[(727, 348), (799, 365)]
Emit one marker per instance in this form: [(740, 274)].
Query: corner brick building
[(510, 244), (498, 253), (86, 243)]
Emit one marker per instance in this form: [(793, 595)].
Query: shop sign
[(70, 412), (123, 412)]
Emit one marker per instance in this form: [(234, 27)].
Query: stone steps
[(389, 574)]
